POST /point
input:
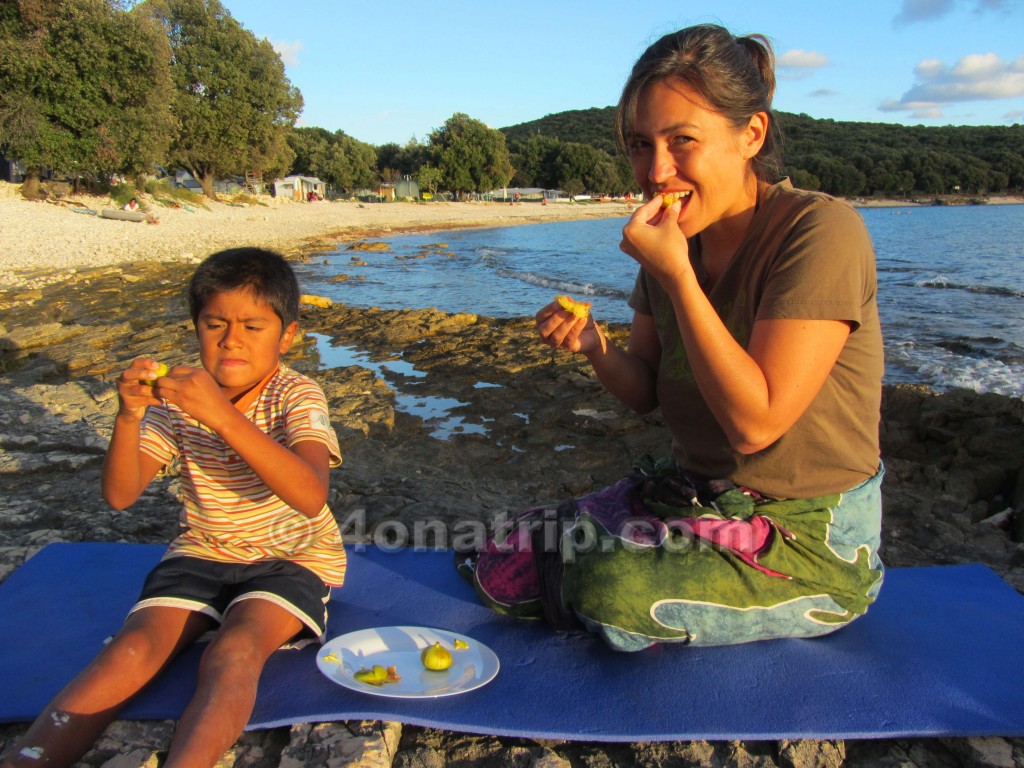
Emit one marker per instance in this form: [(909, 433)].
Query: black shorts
[(211, 588)]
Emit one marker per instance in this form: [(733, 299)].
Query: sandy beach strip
[(43, 242)]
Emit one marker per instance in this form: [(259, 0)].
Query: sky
[(393, 70)]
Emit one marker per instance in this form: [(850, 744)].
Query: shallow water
[(951, 283)]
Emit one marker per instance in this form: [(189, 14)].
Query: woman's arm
[(630, 374), (757, 393)]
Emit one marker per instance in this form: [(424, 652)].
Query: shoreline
[(47, 241)]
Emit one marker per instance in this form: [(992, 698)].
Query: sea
[(950, 283)]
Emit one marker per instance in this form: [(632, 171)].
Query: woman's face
[(680, 144)]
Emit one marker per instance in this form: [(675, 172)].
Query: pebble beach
[(954, 490)]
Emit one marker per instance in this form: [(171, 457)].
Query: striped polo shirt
[(229, 514)]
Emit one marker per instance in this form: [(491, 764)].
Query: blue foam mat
[(938, 655)]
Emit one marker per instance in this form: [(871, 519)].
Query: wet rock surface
[(458, 419)]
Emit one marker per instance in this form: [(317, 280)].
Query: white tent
[(298, 187)]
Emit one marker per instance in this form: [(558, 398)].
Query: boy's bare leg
[(70, 725), (228, 676)]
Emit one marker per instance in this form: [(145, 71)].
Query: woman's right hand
[(652, 237), (561, 329)]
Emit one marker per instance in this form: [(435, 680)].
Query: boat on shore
[(114, 213)]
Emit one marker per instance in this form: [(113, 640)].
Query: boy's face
[(240, 340)]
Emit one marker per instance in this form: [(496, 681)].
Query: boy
[(259, 549)]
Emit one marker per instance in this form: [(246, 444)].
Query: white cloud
[(288, 51), (799, 64), (976, 77)]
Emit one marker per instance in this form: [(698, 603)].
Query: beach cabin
[(11, 170), (299, 187), (407, 189)]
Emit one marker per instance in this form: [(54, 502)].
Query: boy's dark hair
[(265, 273)]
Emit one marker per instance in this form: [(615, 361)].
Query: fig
[(436, 657), (376, 675), (460, 645), (161, 370), (577, 308)]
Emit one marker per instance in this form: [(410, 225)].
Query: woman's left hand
[(652, 237)]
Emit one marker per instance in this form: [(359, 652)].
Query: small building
[(299, 187), (11, 170), (407, 189), (404, 189)]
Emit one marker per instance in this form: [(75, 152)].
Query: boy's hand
[(134, 396), (196, 392)]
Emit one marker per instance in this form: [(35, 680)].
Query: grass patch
[(243, 198), (166, 194)]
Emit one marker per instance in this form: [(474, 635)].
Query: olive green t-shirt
[(806, 256)]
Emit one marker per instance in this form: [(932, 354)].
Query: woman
[(756, 332)]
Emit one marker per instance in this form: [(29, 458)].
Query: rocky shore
[(509, 423)]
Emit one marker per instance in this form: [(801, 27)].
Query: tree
[(312, 149), (84, 89), (407, 160), (471, 156), (360, 161), (232, 98), (339, 160), (591, 169), (429, 178), (534, 160)]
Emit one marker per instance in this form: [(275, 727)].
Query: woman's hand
[(652, 237), (561, 329)]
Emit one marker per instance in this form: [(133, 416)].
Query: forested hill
[(594, 126), (849, 158)]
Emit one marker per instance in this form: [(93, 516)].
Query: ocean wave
[(943, 370), (562, 285), (942, 282)]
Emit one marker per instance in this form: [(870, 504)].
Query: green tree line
[(93, 89)]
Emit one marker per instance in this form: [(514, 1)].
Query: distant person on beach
[(132, 205), (755, 331), (259, 548)]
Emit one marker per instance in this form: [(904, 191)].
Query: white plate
[(339, 659)]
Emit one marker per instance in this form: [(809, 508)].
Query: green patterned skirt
[(658, 558)]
